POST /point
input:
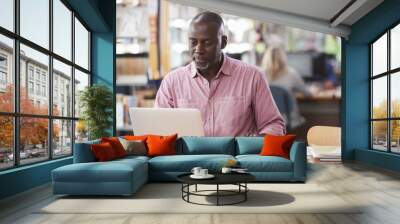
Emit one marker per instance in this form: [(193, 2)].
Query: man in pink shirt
[(233, 97)]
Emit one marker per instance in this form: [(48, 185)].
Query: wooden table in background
[(317, 110)]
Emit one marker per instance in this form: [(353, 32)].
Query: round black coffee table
[(238, 179)]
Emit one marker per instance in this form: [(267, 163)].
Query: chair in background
[(324, 143), (284, 103)]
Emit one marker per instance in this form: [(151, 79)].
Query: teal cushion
[(206, 145), (111, 171), (133, 157), (185, 163), (83, 153), (249, 145), (257, 163)]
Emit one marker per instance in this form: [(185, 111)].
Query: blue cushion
[(249, 145), (111, 171), (184, 163), (83, 152), (133, 157), (206, 145), (118, 177), (257, 163)]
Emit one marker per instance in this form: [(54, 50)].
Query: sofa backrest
[(206, 145), (249, 145), (83, 152), (190, 146)]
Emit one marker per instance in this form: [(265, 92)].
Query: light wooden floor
[(379, 189)]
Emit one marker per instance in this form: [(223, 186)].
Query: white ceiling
[(314, 15), (321, 9)]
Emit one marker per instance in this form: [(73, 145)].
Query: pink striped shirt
[(237, 102)]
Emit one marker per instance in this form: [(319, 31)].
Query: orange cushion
[(103, 151), (277, 145), (116, 145), (135, 137), (161, 145)]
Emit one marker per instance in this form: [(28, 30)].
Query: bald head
[(209, 18), (206, 41)]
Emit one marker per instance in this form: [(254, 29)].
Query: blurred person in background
[(324, 71), (274, 65)]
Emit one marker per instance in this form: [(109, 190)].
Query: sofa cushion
[(116, 145), (249, 145), (112, 171), (135, 137), (159, 145), (83, 152), (277, 145), (103, 152), (185, 163), (257, 163), (206, 145), (132, 158), (134, 147)]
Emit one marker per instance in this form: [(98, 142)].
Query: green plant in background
[(96, 103)]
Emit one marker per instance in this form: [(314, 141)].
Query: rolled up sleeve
[(267, 117), (165, 97)]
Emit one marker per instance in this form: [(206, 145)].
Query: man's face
[(206, 42)]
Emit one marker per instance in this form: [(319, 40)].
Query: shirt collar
[(225, 68)]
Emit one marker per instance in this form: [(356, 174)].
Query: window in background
[(395, 47), (40, 63), (30, 72), (3, 70), (7, 74), (62, 72), (7, 14), (395, 94), (34, 121), (81, 131), (385, 97), (6, 142), (379, 133), (35, 21), (81, 45), (81, 81), (37, 74), (62, 138), (379, 98), (30, 87), (395, 134), (33, 140), (379, 56), (62, 29), (37, 89)]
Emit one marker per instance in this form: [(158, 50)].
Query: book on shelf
[(124, 102)]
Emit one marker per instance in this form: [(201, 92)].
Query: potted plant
[(96, 104)]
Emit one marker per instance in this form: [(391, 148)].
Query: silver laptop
[(166, 121)]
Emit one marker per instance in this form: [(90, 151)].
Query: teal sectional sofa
[(125, 176)]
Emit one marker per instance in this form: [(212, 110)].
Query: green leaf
[(96, 102)]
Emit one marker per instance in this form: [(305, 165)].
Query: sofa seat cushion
[(112, 171), (257, 163), (133, 157), (185, 163)]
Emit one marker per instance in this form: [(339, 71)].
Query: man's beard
[(202, 65)]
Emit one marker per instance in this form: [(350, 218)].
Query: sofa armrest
[(83, 152), (298, 155)]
